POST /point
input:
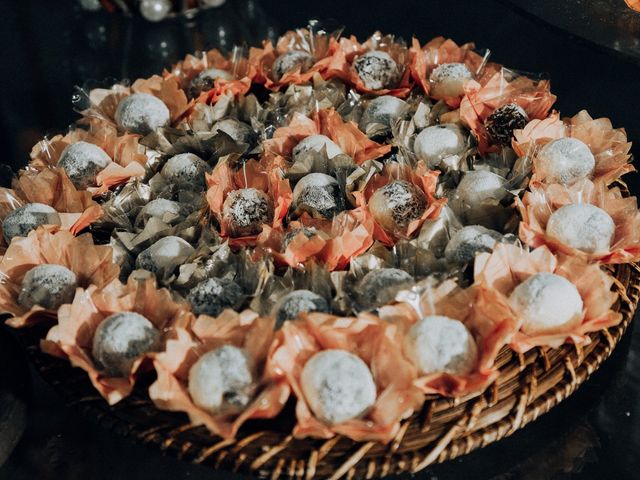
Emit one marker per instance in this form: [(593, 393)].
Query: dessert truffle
[(441, 344), (297, 302), (319, 195), (213, 295), (338, 386), (397, 204), (447, 80), (185, 171), (164, 255), (120, 340), (383, 111), (582, 226), (161, 208), (221, 381), (546, 303), (291, 61), (468, 241), (377, 70), (478, 186), (206, 79), (28, 217), (48, 286), (503, 121), (82, 161), (245, 211), (239, 131), (566, 160), (308, 232), (380, 286), (435, 143), (142, 113), (317, 143)]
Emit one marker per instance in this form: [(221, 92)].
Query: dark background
[(48, 47)]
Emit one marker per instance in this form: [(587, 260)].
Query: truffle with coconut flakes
[(82, 161), (28, 217), (297, 302), (291, 61), (47, 286), (185, 171), (213, 295), (397, 204), (377, 70), (448, 79), (245, 211), (319, 195)]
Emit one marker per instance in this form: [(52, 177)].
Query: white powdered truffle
[(28, 217), (317, 143), (318, 194), (384, 111), (161, 208), (338, 386), (290, 62), (377, 70), (120, 340), (82, 161), (379, 287), (435, 143), (478, 186), (582, 226), (566, 160), (185, 171), (213, 295), (546, 303), (297, 302), (245, 211), (48, 286), (468, 241), (397, 204), (221, 381), (448, 79), (239, 131), (441, 344), (142, 113), (164, 255)]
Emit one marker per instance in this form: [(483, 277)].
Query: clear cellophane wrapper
[(91, 263), (369, 338), (129, 157), (502, 88), (538, 204), (509, 265), (490, 323), (609, 145), (440, 51), (72, 337), (314, 41), (244, 330)]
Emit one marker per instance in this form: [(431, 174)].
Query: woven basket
[(529, 385)]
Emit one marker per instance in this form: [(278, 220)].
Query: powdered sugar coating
[(545, 303), (338, 386), (47, 286), (28, 217), (468, 241), (185, 171), (441, 344), (316, 143), (566, 160), (164, 255), (377, 70), (142, 113), (318, 192), (435, 143), (82, 161), (447, 80), (221, 381), (383, 110), (480, 185), (380, 286), (120, 340), (213, 295), (245, 211), (239, 131), (291, 61), (582, 226), (160, 208), (395, 205), (297, 302)]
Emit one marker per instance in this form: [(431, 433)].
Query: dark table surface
[(49, 47)]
